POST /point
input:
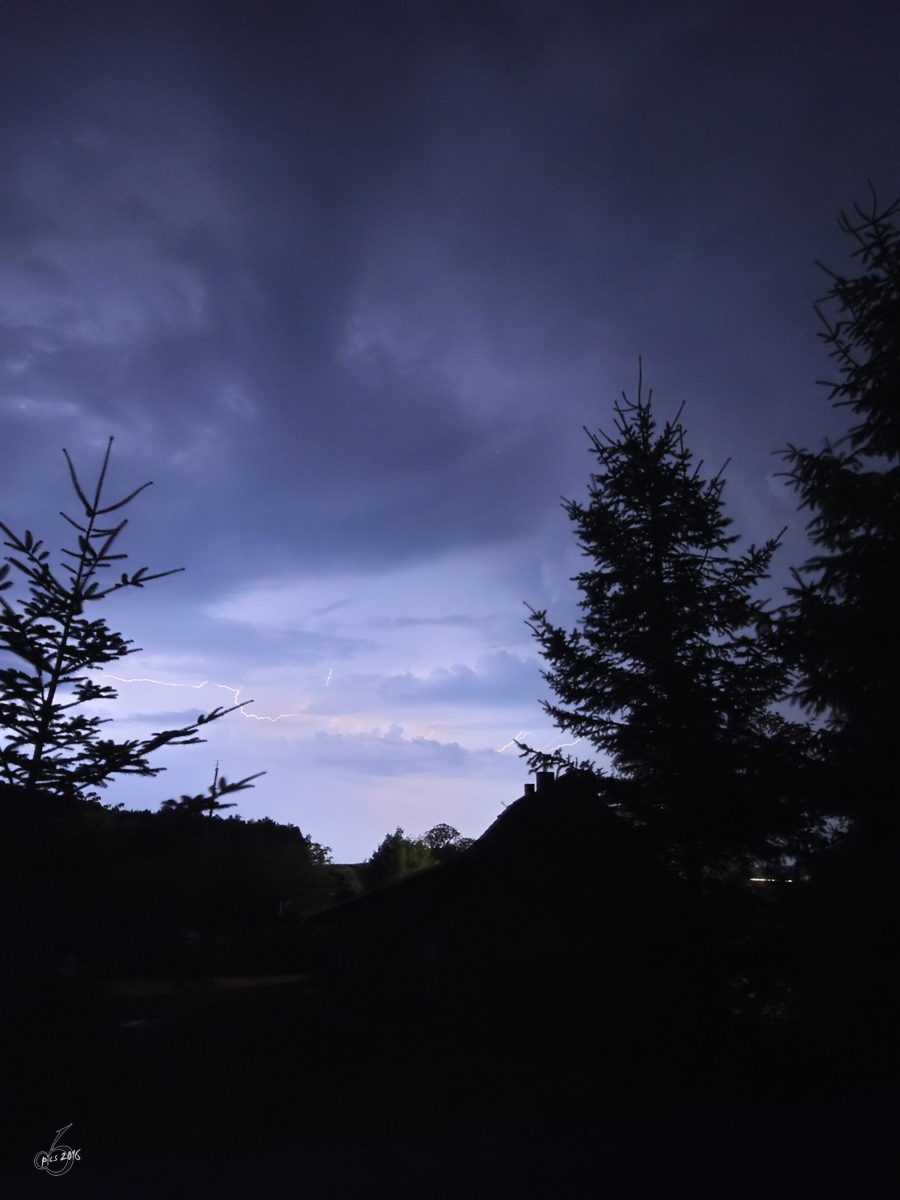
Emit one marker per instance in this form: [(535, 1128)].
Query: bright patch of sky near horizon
[(346, 281)]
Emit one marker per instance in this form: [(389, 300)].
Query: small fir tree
[(45, 745), (665, 675)]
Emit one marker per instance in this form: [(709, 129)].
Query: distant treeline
[(173, 891)]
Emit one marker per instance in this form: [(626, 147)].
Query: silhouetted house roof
[(556, 903)]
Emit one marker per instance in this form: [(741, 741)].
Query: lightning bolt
[(548, 746), (520, 734), (253, 717), (160, 682), (234, 691), (563, 745), (330, 673)]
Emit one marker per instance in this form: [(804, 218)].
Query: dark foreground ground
[(287, 1089), (475, 1031)]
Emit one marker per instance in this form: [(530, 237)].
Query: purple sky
[(346, 280)]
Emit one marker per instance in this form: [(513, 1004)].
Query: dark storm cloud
[(498, 678), (390, 753), (350, 277), (245, 647), (346, 279), (183, 274)]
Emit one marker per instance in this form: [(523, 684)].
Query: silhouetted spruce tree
[(840, 630), (665, 675), (43, 743)]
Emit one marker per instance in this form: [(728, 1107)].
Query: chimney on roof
[(544, 780), (529, 789)]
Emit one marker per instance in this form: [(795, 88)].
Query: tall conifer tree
[(665, 675), (840, 628)]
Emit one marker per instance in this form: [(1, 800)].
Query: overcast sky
[(346, 280)]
